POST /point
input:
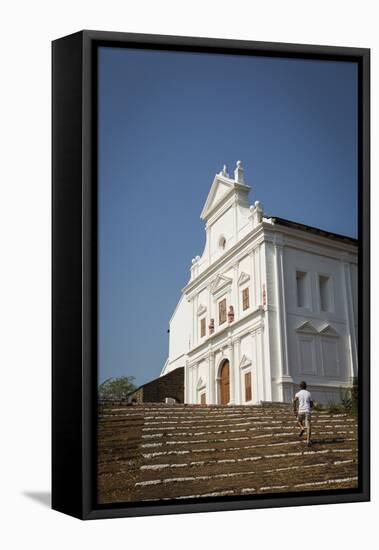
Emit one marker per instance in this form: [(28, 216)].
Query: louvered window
[(202, 327), (245, 299)]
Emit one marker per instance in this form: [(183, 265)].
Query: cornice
[(320, 244), (225, 259), (245, 362), (268, 232), (243, 278), (225, 331), (326, 330), (201, 310), (220, 283)]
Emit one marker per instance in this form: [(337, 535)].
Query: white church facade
[(269, 303)]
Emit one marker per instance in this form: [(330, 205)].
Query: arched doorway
[(225, 383)]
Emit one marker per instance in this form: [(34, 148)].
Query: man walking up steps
[(302, 406)]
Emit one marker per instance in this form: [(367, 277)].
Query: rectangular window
[(245, 299), (248, 386), (324, 285), (222, 311), (301, 279), (203, 399), (202, 327)]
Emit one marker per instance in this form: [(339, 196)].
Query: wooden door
[(224, 383), (248, 392)]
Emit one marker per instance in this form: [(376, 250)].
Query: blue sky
[(168, 121)]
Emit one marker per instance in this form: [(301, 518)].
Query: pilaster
[(235, 292), (231, 373), (211, 377), (349, 315), (237, 374), (281, 308)]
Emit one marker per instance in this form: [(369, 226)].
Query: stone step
[(239, 469), (227, 458), (200, 409), (237, 445), (343, 483), (221, 419), (219, 415), (227, 469), (262, 480), (199, 428), (173, 451), (192, 493), (161, 408), (198, 431), (185, 416), (188, 439), (202, 454)]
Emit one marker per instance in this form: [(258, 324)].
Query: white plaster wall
[(229, 273), (267, 341), (203, 297), (245, 347), (313, 264), (229, 218), (241, 370), (243, 221), (202, 372), (244, 265), (268, 268), (274, 359), (179, 336), (224, 226), (354, 288), (328, 396), (256, 283), (319, 359), (245, 268), (174, 364), (306, 353)]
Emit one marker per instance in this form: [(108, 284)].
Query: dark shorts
[(304, 417)]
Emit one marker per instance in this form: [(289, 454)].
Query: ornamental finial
[(238, 173), (224, 171)]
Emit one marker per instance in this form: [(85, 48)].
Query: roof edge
[(314, 230)]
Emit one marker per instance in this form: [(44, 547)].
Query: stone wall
[(156, 391)]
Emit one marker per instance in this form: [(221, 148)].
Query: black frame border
[(74, 271)]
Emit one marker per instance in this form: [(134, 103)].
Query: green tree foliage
[(349, 398), (116, 388)]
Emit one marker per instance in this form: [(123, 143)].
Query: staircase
[(156, 451)]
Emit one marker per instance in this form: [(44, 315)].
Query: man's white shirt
[(305, 398)]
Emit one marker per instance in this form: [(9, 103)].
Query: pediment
[(200, 384), (201, 310), (220, 282), (328, 330), (245, 362), (243, 278), (222, 186), (307, 328)]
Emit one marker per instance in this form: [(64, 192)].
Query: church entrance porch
[(225, 383)]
